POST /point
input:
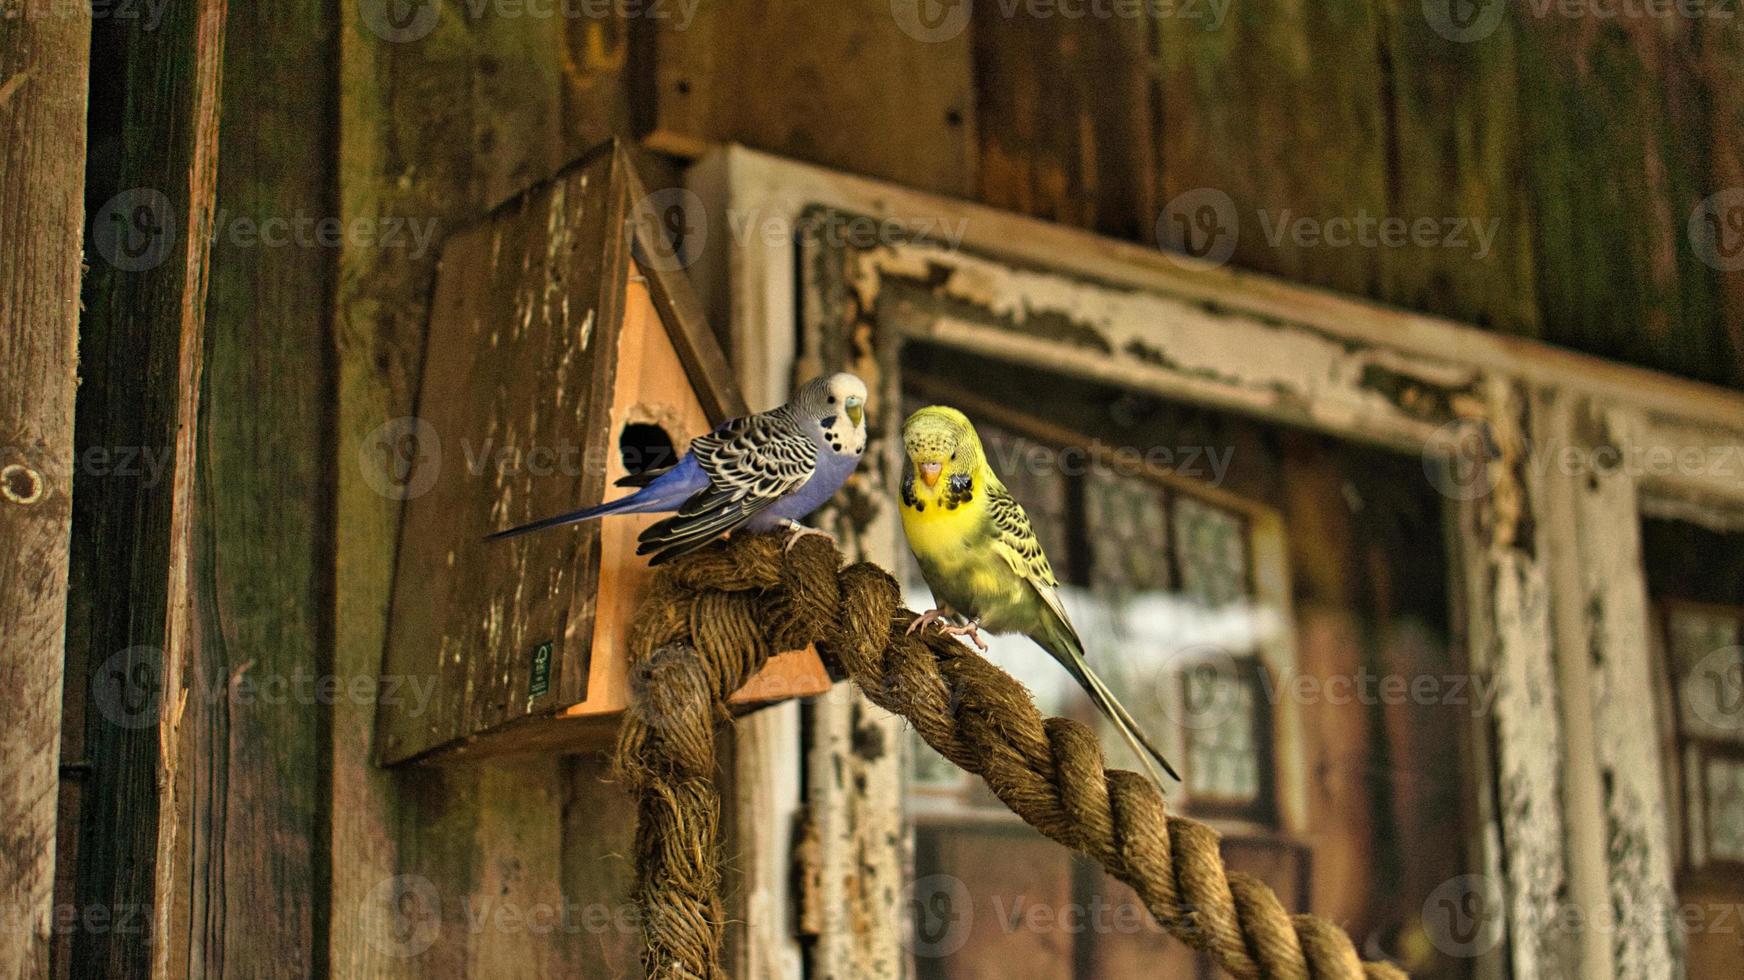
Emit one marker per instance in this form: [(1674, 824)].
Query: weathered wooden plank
[(252, 872), (1454, 149), (1257, 134), (1063, 119), (407, 153), (130, 622), (44, 69), (1508, 597), (1603, 639), (1609, 106), (851, 84), (598, 871), (542, 282), (1206, 352), (1721, 64)]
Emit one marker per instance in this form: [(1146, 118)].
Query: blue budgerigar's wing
[(751, 463)]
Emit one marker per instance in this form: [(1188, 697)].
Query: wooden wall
[(1581, 146), (44, 68), (1587, 143)]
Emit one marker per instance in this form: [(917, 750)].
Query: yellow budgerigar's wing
[(1016, 542)]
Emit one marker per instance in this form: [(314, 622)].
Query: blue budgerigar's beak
[(856, 410)]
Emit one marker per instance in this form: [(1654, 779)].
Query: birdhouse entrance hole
[(646, 446)]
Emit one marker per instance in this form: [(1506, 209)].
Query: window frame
[(1543, 564)]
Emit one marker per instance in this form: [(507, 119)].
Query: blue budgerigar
[(762, 472)]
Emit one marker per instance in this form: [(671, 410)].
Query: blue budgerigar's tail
[(624, 506), (662, 492)]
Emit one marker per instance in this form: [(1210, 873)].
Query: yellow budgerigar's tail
[(1059, 638)]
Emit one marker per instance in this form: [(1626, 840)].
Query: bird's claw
[(800, 530), (972, 630), (923, 619)]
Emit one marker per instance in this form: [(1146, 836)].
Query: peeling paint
[(1291, 371)]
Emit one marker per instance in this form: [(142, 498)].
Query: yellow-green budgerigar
[(981, 558)]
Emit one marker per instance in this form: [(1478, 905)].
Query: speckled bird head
[(944, 453), (837, 404)]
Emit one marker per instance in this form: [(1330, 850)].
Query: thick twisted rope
[(711, 621)]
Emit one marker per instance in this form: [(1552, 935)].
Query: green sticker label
[(541, 676)]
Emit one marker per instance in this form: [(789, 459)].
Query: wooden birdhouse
[(565, 351)]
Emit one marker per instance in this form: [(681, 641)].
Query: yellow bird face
[(944, 459)]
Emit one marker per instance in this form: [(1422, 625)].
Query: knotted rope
[(713, 618)]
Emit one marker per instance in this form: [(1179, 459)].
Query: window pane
[(1708, 661), (1223, 759), (1213, 556), (1129, 525), (1725, 779)]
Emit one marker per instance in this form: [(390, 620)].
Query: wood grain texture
[(1508, 585), (1454, 151), (410, 113), (1253, 110), (1064, 120), (250, 875), (1720, 63), (1603, 639), (44, 65), (1614, 176), (513, 423), (839, 84), (152, 183)]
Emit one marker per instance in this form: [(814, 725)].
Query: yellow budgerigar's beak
[(929, 472)]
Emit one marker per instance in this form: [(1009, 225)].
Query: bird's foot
[(800, 530), (971, 629), (921, 621)]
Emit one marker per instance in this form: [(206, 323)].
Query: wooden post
[(130, 604), (43, 70)]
